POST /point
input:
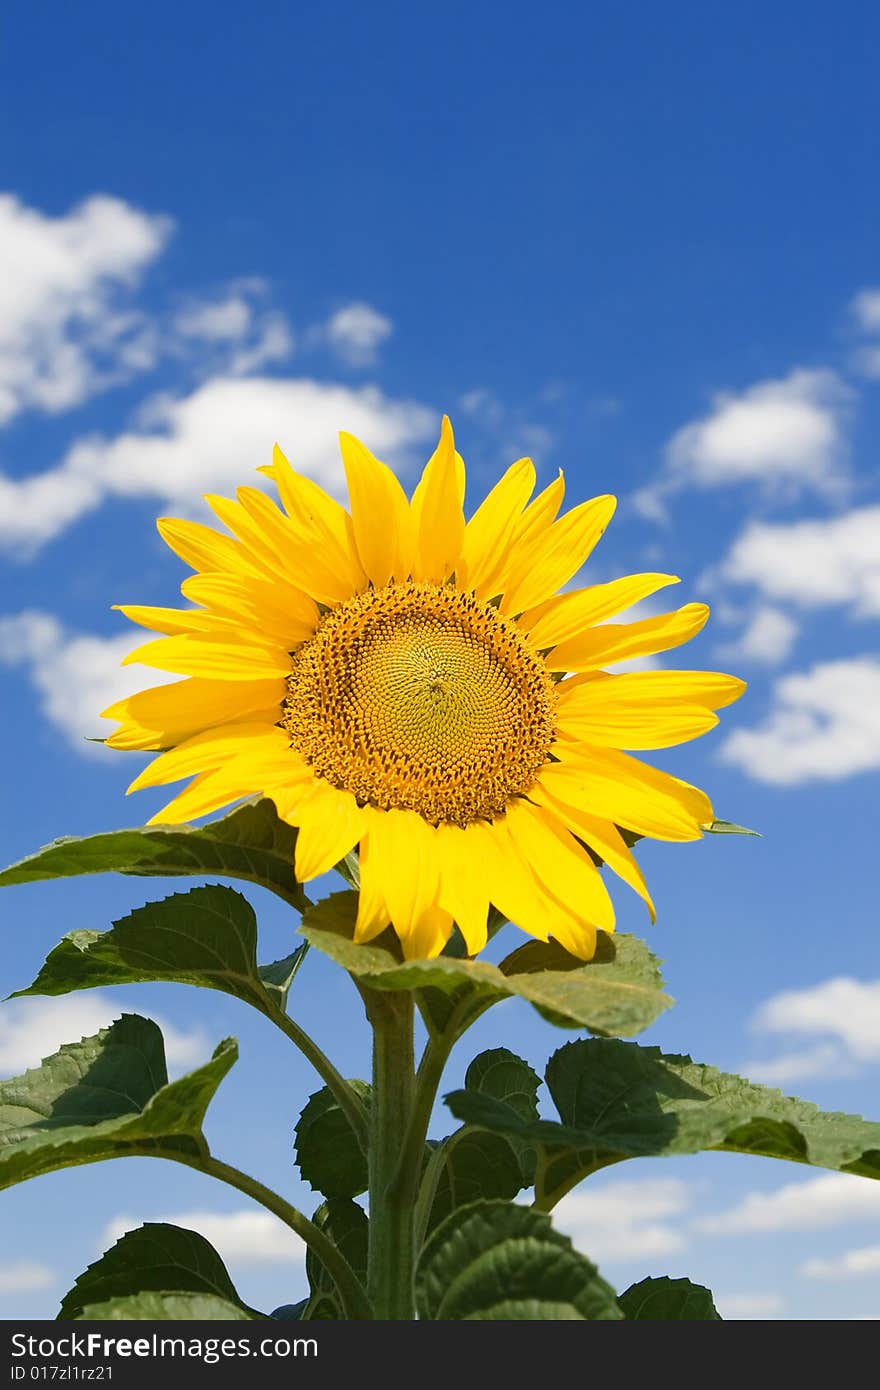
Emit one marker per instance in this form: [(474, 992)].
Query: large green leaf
[(166, 1307), (106, 1097), (327, 1150), (619, 992), (500, 1261), (619, 1100), (251, 843), (668, 1300), (156, 1258), (207, 937), (478, 1164), (347, 1225)]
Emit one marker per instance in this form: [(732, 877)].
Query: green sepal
[(500, 1261)]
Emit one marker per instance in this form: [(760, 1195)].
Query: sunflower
[(399, 679)]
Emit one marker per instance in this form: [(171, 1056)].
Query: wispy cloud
[(355, 333), (68, 325), (853, 1264), (823, 725), (787, 436), (624, 1220), (207, 441), (766, 639), (831, 562), (25, 1276), (813, 1205)]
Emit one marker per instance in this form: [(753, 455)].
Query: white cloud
[(813, 563), (75, 676), (800, 1206), (355, 332), (854, 1264), (233, 333), (865, 308), (625, 1219), (787, 435), (34, 1028), (733, 1306), (211, 440), (843, 1008), (247, 1237), (824, 725), (766, 640), (809, 1063), (66, 327), (24, 1276)]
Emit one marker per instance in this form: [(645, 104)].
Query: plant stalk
[(391, 1255)]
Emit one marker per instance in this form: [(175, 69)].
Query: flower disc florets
[(419, 697)]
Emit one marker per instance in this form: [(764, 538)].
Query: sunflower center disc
[(419, 697)]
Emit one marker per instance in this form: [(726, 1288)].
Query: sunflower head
[(424, 688)]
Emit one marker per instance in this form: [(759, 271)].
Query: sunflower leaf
[(250, 843), (497, 1260), (106, 1097), (166, 1307), (668, 1300), (205, 937), (346, 1223), (156, 1257), (327, 1150), (619, 992), (619, 1100)]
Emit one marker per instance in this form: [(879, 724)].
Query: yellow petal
[(602, 836), (488, 534), (462, 890), (167, 714), (428, 935), (560, 863), (330, 824), (272, 608), (211, 749), (437, 514), (549, 561), (380, 514), (567, 615), (167, 620), (602, 646), (411, 887), (628, 792), (372, 914), (628, 712), (315, 512), (201, 655), (520, 896), (203, 549), (304, 558)]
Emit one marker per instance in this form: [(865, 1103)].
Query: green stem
[(346, 1098), (351, 1292), (391, 1254)]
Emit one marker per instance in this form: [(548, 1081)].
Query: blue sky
[(641, 246)]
